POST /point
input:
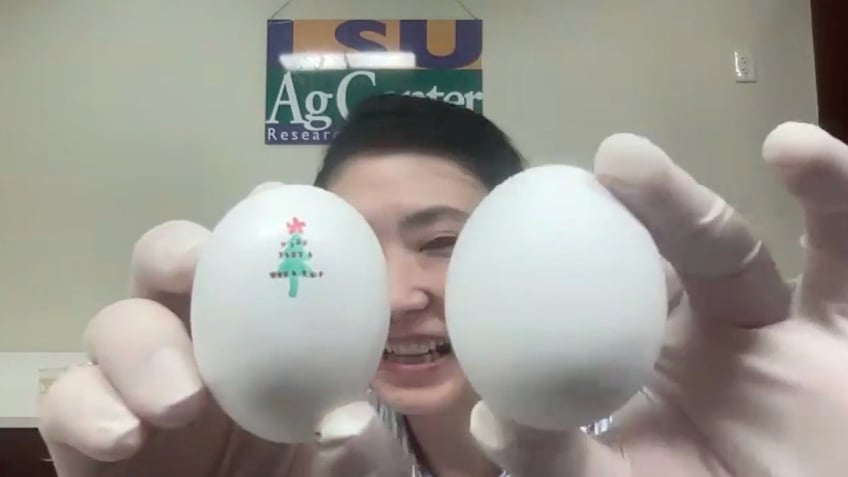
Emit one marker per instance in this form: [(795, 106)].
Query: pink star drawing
[(295, 226)]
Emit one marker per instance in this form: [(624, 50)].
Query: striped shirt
[(398, 426)]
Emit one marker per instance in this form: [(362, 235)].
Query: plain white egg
[(290, 310), (555, 300)]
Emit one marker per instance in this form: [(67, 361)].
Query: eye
[(441, 245)]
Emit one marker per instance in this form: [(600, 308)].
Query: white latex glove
[(142, 410), (751, 379)]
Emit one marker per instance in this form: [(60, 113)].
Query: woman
[(734, 376)]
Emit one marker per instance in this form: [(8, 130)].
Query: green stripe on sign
[(316, 101)]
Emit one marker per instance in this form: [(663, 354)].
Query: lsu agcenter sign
[(318, 70)]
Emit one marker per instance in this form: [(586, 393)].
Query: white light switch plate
[(743, 66)]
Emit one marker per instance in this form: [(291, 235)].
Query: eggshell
[(290, 311), (555, 299)]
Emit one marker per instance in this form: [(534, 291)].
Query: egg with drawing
[(289, 276), (555, 299)]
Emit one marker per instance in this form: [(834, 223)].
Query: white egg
[(289, 311), (555, 300)]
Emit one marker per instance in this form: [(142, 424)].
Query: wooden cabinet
[(23, 454)]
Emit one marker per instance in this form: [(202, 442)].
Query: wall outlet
[(743, 66)]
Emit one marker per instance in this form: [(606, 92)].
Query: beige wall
[(115, 116)]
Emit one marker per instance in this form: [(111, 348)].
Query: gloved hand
[(751, 379), (141, 408)]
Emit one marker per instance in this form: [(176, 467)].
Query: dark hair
[(393, 123)]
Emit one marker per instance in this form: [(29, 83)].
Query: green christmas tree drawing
[(294, 257)]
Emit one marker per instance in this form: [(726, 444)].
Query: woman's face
[(416, 205)]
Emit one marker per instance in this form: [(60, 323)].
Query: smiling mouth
[(419, 352)]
